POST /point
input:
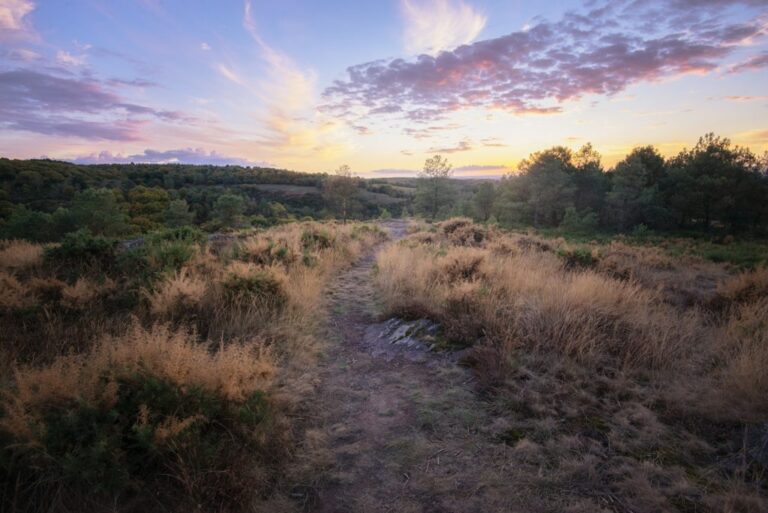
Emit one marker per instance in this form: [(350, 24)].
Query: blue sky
[(381, 85)]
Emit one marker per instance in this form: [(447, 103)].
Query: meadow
[(614, 371), (158, 375)]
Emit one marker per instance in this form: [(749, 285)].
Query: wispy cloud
[(291, 125), (230, 74), (68, 59), (461, 146), (753, 63), (14, 23), (435, 25)]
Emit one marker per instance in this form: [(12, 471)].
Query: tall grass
[(152, 373), (513, 294)]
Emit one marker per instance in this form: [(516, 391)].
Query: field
[(159, 375), (316, 367)]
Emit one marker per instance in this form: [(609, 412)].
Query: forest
[(712, 188)]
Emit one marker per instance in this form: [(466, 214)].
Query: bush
[(577, 258), (82, 252), (314, 239), (579, 223), (149, 409), (244, 284), (170, 255)]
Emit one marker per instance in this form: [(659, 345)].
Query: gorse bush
[(135, 411)]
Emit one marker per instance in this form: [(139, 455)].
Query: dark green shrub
[(261, 285), (313, 239), (170, 255), (577, 258), (80, 252)]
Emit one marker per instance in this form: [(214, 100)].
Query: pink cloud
[(534, 71), (47, 103)]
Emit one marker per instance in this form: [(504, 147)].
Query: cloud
[(13, 19), (736, 98), (759, 136), (493, 142), (45, 103), (435, 25), (67, 59), (600, 52), (751, 64), (179, 156), (205, 46), (290, 123), (459, 147), (23, 54), (391, 171), (230, 75), (429, 131), (479, 167)]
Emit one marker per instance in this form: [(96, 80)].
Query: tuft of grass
[(20, 255)]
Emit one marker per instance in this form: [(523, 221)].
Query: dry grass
[(20, 254), (178, 293), (234, 371), (232, 319), (529, 300), (608, 366), (743, 349)]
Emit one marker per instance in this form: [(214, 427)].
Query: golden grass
[(743, 349), (20, 254), (530, 300), (180, 292), (233, 371)]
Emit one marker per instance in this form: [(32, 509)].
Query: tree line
[(712, 186), (42, 200)]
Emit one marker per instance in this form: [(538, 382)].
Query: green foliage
[(99, 211), (385, 214), (314, 238), (577, 257), (340, 191), (435, 191), (81, 252), (260, 286), (147, 206), (183, 233), (483, 200), (170, 255), (573, 221), (113, 447), (28, 224), (178, 214), (228, 209)]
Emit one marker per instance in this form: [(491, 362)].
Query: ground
[(405, 429)]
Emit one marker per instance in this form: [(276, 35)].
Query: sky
[(379, 85)]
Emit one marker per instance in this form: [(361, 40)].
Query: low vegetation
[(156, 374), (623, 370)]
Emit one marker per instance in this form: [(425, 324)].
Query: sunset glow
[(380, 85)]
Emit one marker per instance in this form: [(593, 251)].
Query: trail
[(407, 432)]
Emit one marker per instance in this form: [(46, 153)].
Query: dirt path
[(407, 432)]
